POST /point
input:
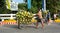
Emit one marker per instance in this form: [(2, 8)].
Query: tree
[(35, 5), (22, 6), (51, 5), (2, 3), (3, 8)]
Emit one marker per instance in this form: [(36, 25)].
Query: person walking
[(48, 17), (39, 18)]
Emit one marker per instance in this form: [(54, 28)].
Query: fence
[(7, 16)]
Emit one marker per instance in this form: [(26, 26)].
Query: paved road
[(53, 28)]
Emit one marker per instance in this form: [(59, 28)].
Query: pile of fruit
[(24, 17), (57, 20)]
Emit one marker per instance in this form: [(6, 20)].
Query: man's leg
[(42, 23), (37, 25)]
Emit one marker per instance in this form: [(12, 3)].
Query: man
[(48, 17), (39, 18)]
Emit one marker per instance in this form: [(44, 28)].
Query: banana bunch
[(24, 17)]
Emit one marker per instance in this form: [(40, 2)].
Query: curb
[(11, 23)]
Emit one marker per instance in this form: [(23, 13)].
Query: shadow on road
[(10, 26), (16, 27)]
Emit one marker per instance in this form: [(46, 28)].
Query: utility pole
[(44, 5), (29, 4)]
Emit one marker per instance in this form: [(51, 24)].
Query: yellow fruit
[(20, 22), (33, 20), (58, 20)]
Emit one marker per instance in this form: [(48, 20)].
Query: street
[(53, 28)]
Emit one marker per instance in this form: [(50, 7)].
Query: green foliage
[(2, 3), (33, 10), (3, 9), (53, 6), (22, 6)]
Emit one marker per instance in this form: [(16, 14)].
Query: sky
[(19, 1)]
